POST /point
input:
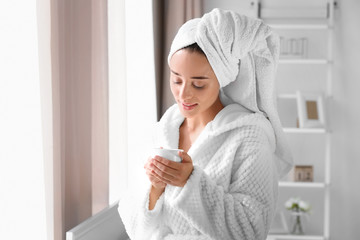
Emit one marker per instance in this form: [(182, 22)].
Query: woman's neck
[(201, 120), (192, 127)]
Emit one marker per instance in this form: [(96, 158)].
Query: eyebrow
[(194, 77)]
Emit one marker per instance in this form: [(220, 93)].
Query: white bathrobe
[(232, 191)]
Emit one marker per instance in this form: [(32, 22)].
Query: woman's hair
[(194, 48)]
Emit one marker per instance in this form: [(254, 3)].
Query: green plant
[(297, 205)]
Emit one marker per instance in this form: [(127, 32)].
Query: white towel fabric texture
[(231, 193), (243, 52)]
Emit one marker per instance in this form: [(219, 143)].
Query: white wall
[(345, 193)]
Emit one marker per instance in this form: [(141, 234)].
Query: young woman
[(222, 70)]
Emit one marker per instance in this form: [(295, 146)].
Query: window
[(22, 201)]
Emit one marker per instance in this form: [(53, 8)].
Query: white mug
[(171, 154)]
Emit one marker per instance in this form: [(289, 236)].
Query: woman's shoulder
[(235, 118), (232, 112)]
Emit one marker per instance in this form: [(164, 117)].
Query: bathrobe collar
[(230, 117)]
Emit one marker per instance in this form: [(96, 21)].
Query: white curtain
[(74, 94), (132, 94), (22, 194)]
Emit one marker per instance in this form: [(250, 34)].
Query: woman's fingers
[(163, 172), (185, 157), (147, 162), (157, 171), (166, 166), (171, 172), (167, 162), (155, 180)]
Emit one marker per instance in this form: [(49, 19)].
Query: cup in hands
[(171, 154)]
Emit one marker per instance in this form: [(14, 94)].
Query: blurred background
[(83, 81)]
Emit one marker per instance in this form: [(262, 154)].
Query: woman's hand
[(155, 181), (170, 172)]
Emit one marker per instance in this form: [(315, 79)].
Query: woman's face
[(193, 83)]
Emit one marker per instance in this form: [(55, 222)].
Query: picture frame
[(311, 110), (303, 173), (293, 47)]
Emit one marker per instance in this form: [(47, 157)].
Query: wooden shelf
[(293, 96), (302, 184), (287, 96), (295, 237), (304, 61), (305, 130), (300, 26)]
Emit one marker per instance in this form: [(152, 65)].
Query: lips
[(189, 106)]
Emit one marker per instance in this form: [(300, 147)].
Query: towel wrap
[(244, 53)]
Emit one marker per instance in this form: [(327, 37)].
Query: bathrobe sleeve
[(139, 221), (245, 209)]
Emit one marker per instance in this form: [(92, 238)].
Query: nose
[(185, 92)]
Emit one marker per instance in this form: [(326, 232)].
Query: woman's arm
[(140, 222), (141, 209), (154, 195), (245, 210)]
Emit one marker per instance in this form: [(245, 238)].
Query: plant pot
[(297, 223)]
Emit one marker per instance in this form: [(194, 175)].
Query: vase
[(297, 223)]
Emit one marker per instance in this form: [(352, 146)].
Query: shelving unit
[(302, 184), (298, 26), (304, 61), (296, 237), (307, 24), (305, 130)]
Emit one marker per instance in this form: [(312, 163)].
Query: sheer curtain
[(169, 15), (22, 196), (74, 96), (132, 94)]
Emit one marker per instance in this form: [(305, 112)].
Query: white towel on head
[(243, 52)]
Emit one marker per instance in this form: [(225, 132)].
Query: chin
[(187, 113)]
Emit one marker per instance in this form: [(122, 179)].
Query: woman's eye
[(198, 86)]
